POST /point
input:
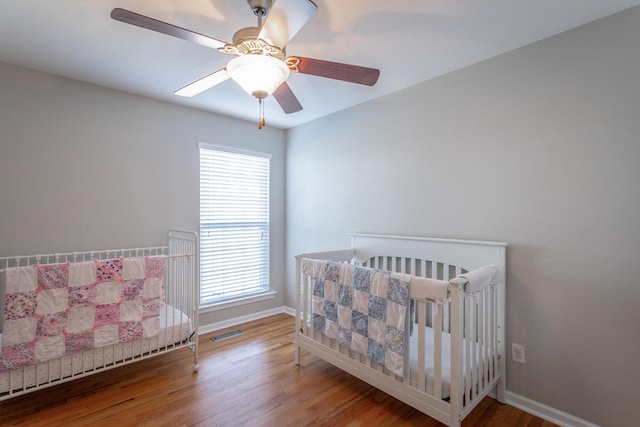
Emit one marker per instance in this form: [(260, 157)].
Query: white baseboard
[(523, 403), (211, 327), (546, 412)]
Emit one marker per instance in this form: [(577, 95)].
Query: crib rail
[(447, 387), (57, 258), (179, 317)]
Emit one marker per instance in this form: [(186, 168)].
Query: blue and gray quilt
[(363, 308)]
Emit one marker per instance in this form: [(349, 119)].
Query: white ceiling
[(410, 41)]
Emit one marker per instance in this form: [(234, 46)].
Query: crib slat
[(480, 345), (492, 342), (437, 357), (445, 277), (306, 302), (422, 321), (406, 355), (467, 347), (492, 335), (480, 340), (482, 377), (474, 347), (487, 333)]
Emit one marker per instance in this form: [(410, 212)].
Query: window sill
[(234, 302)]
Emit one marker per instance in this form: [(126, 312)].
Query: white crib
[(178, 317), (454, 354)]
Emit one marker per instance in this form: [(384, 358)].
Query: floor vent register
[(226, 335)]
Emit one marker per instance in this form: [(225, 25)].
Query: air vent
[(226, 335)]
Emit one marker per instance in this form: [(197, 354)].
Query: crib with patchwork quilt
[(421, 319), (69, 315)]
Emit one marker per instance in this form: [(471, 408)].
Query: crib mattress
[(175, 327)]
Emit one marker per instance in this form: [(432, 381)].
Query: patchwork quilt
[(56, 309), (363, 308)]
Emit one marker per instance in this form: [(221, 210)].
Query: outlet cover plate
[(517, 353)]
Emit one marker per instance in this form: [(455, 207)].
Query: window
[(234, 223)]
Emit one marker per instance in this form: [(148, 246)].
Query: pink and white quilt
[(56, 309)]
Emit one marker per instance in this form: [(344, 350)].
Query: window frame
[(264, 291)]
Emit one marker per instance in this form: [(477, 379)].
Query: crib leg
[(296, 355), (502, 390), (296, 352), (196, 364)]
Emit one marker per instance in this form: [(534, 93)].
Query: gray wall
[(83, 167), (539, 148)]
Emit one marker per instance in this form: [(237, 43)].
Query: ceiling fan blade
[(334, 70), (203, 84), (142, 21), (287, 100), (285, 19)]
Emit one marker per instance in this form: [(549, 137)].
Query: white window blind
[(234, 223)]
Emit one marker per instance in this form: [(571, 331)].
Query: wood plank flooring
[(247, 380)]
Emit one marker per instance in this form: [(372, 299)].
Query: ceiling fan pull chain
[(261, 122)]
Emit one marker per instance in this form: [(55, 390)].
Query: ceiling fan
[(260, 66)]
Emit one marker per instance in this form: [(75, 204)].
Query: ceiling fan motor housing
[(246, 42), (245, 34)]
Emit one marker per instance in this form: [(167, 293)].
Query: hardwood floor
[(248, 380)]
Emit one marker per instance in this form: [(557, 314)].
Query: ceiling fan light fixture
[(258, 75)]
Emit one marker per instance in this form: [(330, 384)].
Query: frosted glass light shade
[(258, 75)]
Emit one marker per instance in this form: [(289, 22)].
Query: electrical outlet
[(517, 353)]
